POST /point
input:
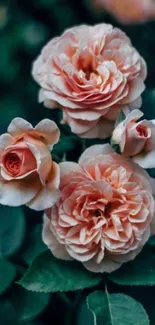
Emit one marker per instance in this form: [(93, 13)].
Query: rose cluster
[(100, 210)]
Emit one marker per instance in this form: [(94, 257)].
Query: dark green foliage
[(116, 309), (34, 244), (45, 275), (12, 230), (28, 304), (25, 26), (141, 271), (7, 274)]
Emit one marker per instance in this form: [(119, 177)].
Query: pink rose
[(104, 215), (27, 173), (90, 72), (128, 11), (137, 139)]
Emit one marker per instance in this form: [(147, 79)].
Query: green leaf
[(27, 304), (64, 145), (115, 146), (12, 230), (149, 101), (7, 313), (46, 3), (34, 244), (35, 322), (48, 274), (151, 172), (152, 241), (84, 315), (120, 118), (141, 271), (116, 309), (14, 108), (69, 13), (7, 274)]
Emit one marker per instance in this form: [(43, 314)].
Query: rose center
[(142, 131), (88, 73), (108, 210), (12, 163)]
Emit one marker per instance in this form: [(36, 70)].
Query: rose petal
[(103, 129), (68, 167), (19, 126), (15, 193), (49, 131), (145, 160), (49, 194), (106, 265), (136, 88), (131, 255), (96, 150), (5, 141), (42, 156), (50, 240)]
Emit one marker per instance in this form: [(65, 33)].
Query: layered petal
[(19, 126), (48, 132), (90, 72), (105, 212), (48, 194), (18, 192), (27, 173), (136, 139)]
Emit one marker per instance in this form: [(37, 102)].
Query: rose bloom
[(105, 213), (129, 11), (27, 173), (137, 139), (90, 72)]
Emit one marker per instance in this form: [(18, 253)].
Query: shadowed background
[(25, 26)]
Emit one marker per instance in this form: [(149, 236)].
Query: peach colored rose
[(27, 173), (137, 139), (129, 11), (90, 72), (105, 213)]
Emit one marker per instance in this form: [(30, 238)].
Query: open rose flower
[(128, 11), (137, 139), (105, 213), (90, 72), (27, 173)]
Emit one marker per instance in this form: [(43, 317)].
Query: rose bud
[(137, 139)]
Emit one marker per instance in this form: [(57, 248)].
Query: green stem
[(65, 298), (71, 306)]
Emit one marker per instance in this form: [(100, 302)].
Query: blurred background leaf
[(7, 274), (28, 305), (152, 241), (34, 244), (7, 313), (25, 26), (12, 230)]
